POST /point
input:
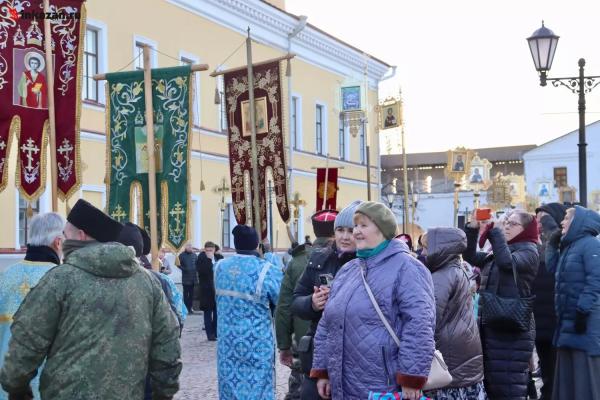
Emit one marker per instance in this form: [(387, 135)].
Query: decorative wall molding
[(271, 26)]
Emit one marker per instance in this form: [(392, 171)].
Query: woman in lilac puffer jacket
[(354, 353)]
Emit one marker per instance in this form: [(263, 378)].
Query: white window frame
[(102, 29), (197, 229), (221, 107), (195, 60), (96, 189), (324, 128), (346, 135), (299, 130), (153, 54), (44, 206)]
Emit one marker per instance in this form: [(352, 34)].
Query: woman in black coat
[(506, 354), (204, 266)]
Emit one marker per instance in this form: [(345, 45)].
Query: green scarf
[(366, 253), (71, 245)]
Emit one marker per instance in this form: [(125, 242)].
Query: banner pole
[(255, 182), (151, 162), (51, 115), (326, 183)]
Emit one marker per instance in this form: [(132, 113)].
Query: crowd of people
[(357, 314)]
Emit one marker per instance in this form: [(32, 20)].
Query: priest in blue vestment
[(44, 244), (247, 289)]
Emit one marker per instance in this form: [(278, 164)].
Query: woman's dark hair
[(210, 244)]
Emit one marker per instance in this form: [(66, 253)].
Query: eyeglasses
[(512, 223)]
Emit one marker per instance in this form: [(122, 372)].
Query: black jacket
[(505, 354), (204, 267), (543, 286), (187, 264), (322, 261)]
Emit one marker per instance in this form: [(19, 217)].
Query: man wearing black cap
[(99, 321), (247, 288)]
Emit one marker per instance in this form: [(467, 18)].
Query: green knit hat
[(381, 216)]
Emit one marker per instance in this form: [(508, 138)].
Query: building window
[(226, 239), (24, 220), (294, 126), (196, 91), (342, 137), (90, 65), (319, 129), (222, 105), (363, 144), (560, 176), (139, 54)]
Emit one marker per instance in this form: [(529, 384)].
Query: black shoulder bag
[(506, 313)]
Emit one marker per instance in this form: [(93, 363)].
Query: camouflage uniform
[(101, 322)]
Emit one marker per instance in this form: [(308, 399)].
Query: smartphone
[(325, 279), (483, 214)]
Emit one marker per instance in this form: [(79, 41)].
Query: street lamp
[(542, 45), (389, 192)]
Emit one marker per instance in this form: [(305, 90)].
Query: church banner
[(24, 92), (127, 151), (330, 202), (268, 100)]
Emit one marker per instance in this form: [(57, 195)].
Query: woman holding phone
[(506, 353), (355, 353)]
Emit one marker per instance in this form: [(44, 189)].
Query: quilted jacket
[(577, 267), (456, 331), (505, 354), (353, 347)]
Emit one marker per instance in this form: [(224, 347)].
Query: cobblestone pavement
[(198, 380)]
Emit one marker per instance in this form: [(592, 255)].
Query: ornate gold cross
[(177, 212), (119, 213)]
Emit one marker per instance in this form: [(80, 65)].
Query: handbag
[(506, 313), (439, 376)]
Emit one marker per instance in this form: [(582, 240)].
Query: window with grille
[(342, 137), (363, 144), (139, 51), (90, 65), (24, 220), (319, 129), (294, 122), (226, 239)]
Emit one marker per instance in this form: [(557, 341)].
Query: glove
[(27, 395), (554, 239), (580, 322)]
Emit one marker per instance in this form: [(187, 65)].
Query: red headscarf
[(529, 234)]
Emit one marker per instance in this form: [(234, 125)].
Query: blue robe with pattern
[(247, 289), (15, 283)]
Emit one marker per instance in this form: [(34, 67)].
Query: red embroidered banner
[(24, 91), (268, 100), (332, 175)]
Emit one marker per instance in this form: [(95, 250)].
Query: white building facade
[(554, 167)]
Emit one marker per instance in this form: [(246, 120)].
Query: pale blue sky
[(466, 72)]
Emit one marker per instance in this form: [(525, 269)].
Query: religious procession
[(238, 218)]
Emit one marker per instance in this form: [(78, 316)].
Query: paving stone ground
[(198, 379)]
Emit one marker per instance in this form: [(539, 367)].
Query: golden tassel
[(29, 210), (202, 187)]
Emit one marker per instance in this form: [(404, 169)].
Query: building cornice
[(271, 26)]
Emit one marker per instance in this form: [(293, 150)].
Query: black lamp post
[(389, 193), (543, 46)]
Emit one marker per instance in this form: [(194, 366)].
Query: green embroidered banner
[(127, 152)]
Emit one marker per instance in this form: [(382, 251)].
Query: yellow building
[(208, 31)]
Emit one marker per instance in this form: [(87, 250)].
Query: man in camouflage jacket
[(99, 320)]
